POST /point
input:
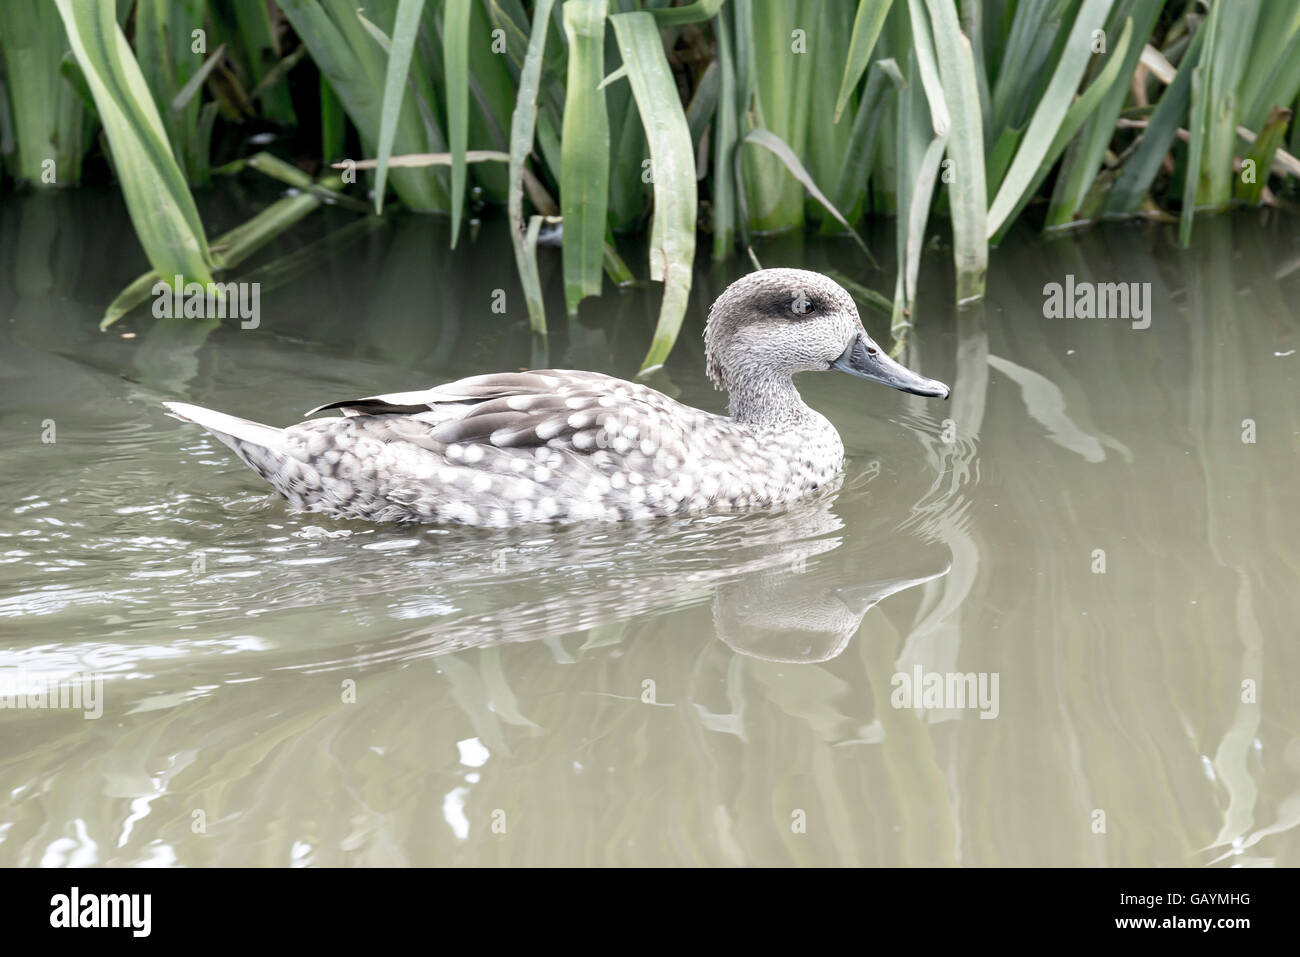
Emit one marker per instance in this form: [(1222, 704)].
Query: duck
[(561, 446)]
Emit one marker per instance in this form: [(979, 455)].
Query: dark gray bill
[(865, 359)]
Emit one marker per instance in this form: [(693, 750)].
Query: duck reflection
[(789, 586), (781, 615)]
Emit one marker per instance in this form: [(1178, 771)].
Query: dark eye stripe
[(781, 306)]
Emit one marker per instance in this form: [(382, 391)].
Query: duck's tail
[(250, 440)]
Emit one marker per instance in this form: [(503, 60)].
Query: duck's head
[(776, 322)]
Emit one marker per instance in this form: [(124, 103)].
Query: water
[(1082, 524)]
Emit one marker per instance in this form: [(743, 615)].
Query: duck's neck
[(767, 400)]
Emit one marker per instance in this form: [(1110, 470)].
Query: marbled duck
[(555, 445)]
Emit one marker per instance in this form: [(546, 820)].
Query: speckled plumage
[(566, 446)]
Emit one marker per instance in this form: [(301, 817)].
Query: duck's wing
[(582, 411), (469, 391)]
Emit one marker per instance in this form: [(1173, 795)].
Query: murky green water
[(1082, 527)]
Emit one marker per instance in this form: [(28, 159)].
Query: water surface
[(1085, 519)]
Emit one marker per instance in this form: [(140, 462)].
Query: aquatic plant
[(614, 117)]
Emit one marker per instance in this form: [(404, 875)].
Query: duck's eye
[(801, 305)]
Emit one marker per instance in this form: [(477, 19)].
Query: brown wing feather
[(513, 410), (472, 390)]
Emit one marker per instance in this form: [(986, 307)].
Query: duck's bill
[(865, 359)]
